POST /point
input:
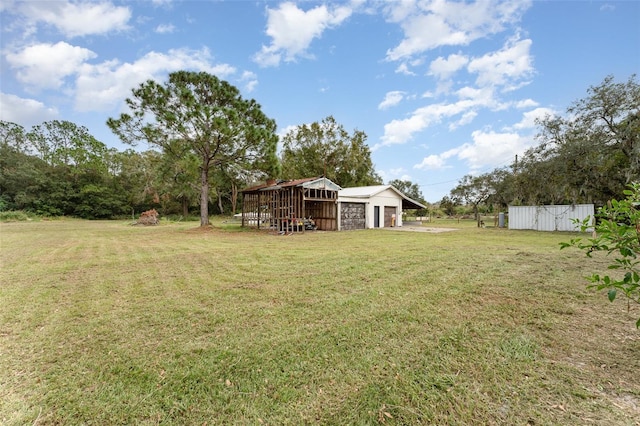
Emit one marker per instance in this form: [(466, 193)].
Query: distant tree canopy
[(57, 168), (588, 156), (39, 174), (408, 188), (199, 115), (475, 191), (327, 149), (411, 190)]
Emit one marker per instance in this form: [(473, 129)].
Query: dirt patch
[(203, 229), (411, 228)]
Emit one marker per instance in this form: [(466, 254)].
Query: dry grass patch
[(103, 323)]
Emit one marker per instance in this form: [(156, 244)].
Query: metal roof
[(313, 182), (363, 191), (372, 191)]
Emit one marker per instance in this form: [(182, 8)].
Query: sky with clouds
[(441, 88)]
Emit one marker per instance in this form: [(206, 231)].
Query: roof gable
[(372, 191), (313, 182)]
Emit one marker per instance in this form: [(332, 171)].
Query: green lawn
[(105, 323)]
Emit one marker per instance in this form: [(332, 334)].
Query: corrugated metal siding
[(548, 218)]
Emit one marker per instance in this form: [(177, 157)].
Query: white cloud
[(98, 87), (397, 172), (101, 87), (6, 5), (287, 129), (428, 25), (75, 19), (26, 112), (496, 70), (488, 150), (485, 97), (443, 68), (46, 65), (394, 173), (249, 80), (529, 118), (400, 10), (292, 30), (436, 162), (504, 67), (401, 131), (466, 118), (431, 162), (165, 28), (392, 98), (282, 133), (425, 32), (526, 103), (403, 68), (164, 3)]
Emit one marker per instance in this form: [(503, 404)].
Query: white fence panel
[(549, 218)]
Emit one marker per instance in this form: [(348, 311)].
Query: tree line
[(206, 144), (589, 155)]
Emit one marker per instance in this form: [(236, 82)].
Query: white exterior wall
[(549, 218), (386, 198)]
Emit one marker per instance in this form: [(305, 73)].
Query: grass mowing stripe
[(104, 323)]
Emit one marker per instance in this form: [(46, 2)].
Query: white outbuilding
[(378, 206), (550, 218)]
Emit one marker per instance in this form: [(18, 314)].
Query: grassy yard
[(105, 323)]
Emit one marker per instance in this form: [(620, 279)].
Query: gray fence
[(549, 218)]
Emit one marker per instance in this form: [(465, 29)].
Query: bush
[(14, 216), (617, 232)]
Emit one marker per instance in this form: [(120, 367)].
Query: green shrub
[(617, 233), (14, 216)]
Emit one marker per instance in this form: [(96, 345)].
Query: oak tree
[(475, 191), (590, 154), (327, 149)]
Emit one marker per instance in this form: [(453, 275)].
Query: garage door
[(388, 216), (352, 216)]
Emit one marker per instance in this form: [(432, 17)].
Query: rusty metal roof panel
[(297, 182), (256, 187)]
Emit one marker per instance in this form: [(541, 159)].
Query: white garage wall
[(386, 198)]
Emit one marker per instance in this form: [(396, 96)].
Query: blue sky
[(441, 88)]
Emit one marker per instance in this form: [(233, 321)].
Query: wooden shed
[(292, 206)]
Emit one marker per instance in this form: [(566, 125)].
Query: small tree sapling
[(617, 233)]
